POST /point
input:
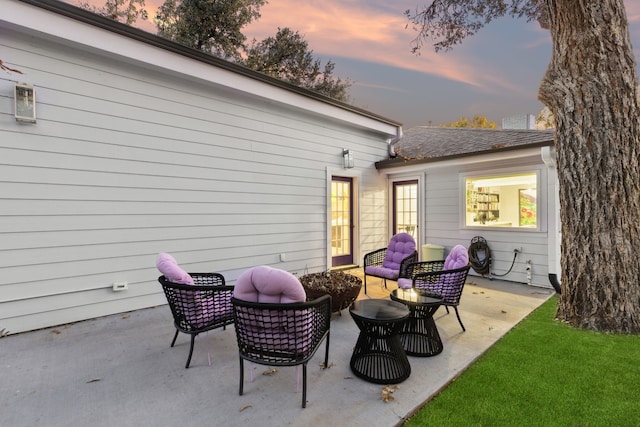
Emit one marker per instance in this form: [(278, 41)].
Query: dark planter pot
[(343, 288)]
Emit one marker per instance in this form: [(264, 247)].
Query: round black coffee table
[(378, 356), (419, 334)]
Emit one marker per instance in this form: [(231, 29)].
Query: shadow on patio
[(120, 370)]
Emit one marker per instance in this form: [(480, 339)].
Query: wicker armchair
[(446, 283), (275, 324), (282, 334), (391, 262), (405, 281), (200, 307)]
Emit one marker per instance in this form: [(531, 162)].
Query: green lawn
[(545, 373)]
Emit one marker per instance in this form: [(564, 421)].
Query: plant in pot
[(344, 288)]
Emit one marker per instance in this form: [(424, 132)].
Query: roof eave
[(400, 162)]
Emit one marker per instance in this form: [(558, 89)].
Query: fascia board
[(532, 153)]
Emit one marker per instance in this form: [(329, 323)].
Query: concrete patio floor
[(120, 370)]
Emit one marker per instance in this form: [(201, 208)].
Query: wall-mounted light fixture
[(24, 100), (348, 158)]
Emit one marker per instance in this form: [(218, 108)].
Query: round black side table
[(378, 356), (419, 334)]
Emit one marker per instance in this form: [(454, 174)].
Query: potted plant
[(344, 288)]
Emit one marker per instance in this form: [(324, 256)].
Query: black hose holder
[(479, 255)]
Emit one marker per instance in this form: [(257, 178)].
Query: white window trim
[(420, 202), (356, 176), (541, 197)]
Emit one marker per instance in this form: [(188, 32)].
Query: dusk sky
[(495, 73)]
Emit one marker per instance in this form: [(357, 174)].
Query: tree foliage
[(477, 121), (4, 67), (448, 22), (125, 11), (287, 56), (213, 26), (591, 89)]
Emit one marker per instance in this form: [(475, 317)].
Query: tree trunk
[(591, 88)]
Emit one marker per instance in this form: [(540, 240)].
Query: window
[(502, 201), (405, 207), (341, 216)]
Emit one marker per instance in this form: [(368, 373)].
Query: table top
[(379, 310), (416, 296)]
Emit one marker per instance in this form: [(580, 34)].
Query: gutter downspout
[(549, 158), (390, 150)]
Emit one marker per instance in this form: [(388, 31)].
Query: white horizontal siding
[(374, 229), (126, 161), (442, 223)]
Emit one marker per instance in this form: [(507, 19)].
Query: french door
[(405, 207), (341, 221)]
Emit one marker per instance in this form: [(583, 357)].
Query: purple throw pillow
[(269, 285), (168, 266), (457, 258)]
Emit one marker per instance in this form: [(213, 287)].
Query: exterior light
[(24, 100), (348, 158)]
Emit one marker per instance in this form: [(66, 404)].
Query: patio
[(120, 370)]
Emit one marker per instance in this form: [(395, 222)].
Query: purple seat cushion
[(167, 265), (269, 285), (400, 246), (387, 273), (457, 258)]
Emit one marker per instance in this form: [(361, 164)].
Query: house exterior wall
[(442, 202), (128, 159), (374, 216)]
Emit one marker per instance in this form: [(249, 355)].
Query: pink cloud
[(632, 8), (361, 30), (354, 30)]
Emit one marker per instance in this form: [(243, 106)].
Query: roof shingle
[(428, 144)]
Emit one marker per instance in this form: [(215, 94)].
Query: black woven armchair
[(200, 307), (423, 267), (391, 262), (282, 334), (405, 281), (447, 283)]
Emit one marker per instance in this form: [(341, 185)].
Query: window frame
[(541, 198)]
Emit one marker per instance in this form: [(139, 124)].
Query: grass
[(544, 373)]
